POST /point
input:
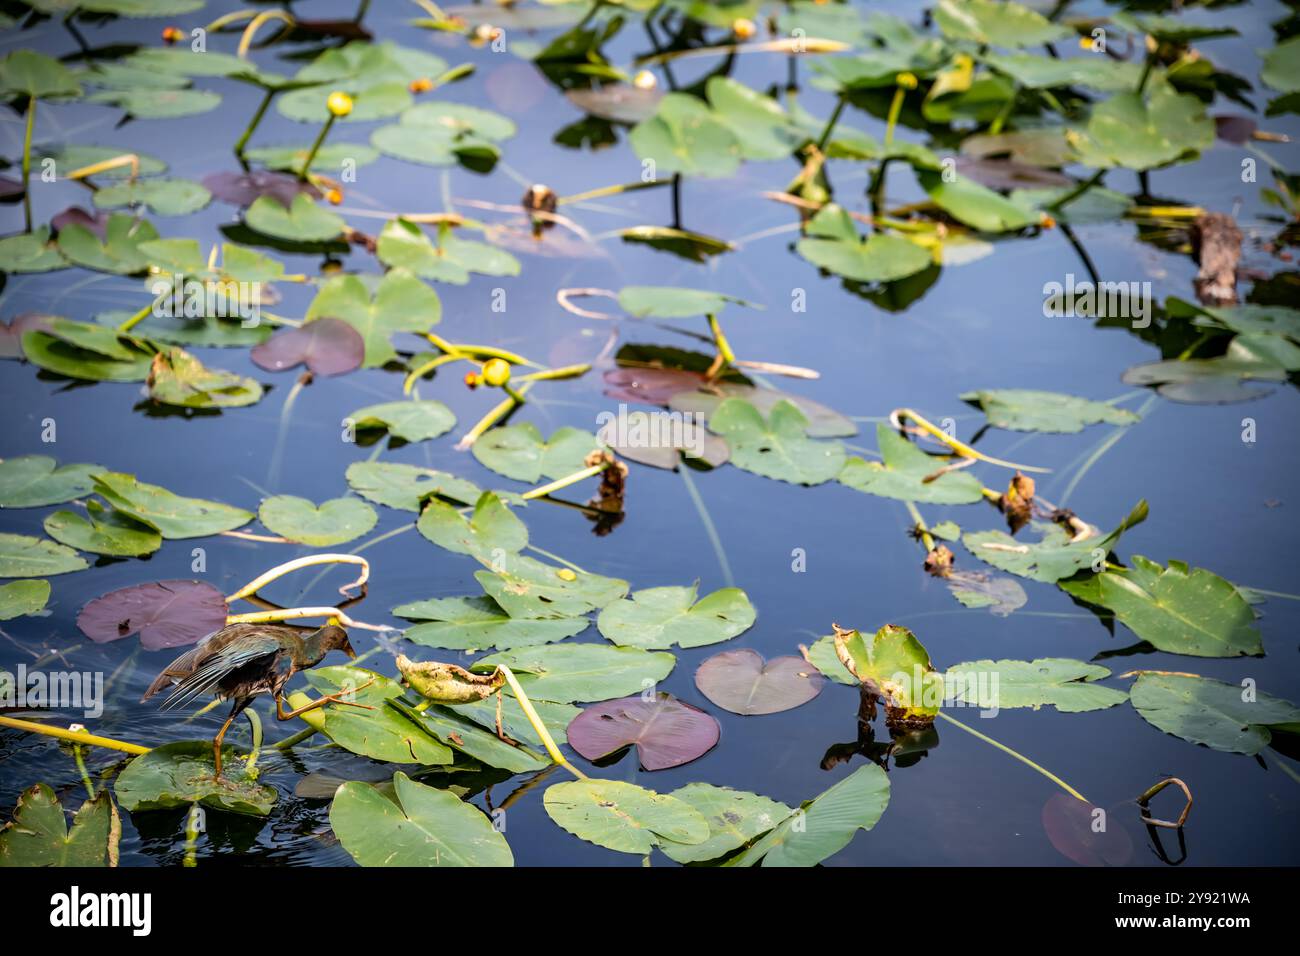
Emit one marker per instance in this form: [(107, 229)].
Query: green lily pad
[(777, 447), (1196, 381), (822, 656), (822, 827), (977, 589), (417, 826), (1093, 72), (30, 252), (378, 308), (39, 835), (491, 528), (375, 102), (178, 378), (622, 816), (734, 816), (209, 331), (320, 526), (762, 128), (903, 472), (834, 245), (894, 665), (22, 556), (380, 733), (1024, 410), (997, 23), (1139, 132), (1177, 609), (186, 256), (373, 73), (172, 515), (1204, 711), (405, 487), (119, 252), (582, 673), (692, 246), (519, 451), (1096, 205), (404, 245), (87, 351), (28, 73), (439, 134), (103, 531), (1052, 557), (466, 736), (1280, 69), (555, 717), (179, 774), (685, 136), (153, 103), (166, 197), (303, 221), (658, 618), (19, 598), (977, 206), (477, 623), (673, 302), (30, 481), (410, 421), (177, 60), (823, 422), (1065, 684)]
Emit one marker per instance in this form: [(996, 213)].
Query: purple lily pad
[(666, 731), (741, 682), (326, 346), (243, 189), (1009, 174), (1234, 129), (164, 613), (11, 333), (96, 222), (654, 386), (1072, 824), (10, 188)]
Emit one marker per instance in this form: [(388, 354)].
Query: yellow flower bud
[(172, 35), (645, 80), (421, 85), (334, 196), (907, 81), (339, 104), (496, 372), (564, 574), (744, 28)]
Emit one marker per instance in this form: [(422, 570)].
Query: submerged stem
[(27, 163), (1019, 756)]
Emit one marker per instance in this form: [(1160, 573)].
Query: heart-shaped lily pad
[(377, 308), (1025, 410), (29, 481), (665, 731), (1065, 684), (1221, 716), (437, 134), (302, 221), (173, 515), (410, 421), (39, 835), (179, 774), (22, 556), (403, 244), (326, 346), (657, 618), (103, 531), (405, 487), (519, 451), (776, 447), (908, 473), (417, 826), (490, 529), (622, 816), (476, 623), (117, 252), (166, 197), (332, 522), (18, 598), (528, 588), (833, 244), (581, 673), (164, 613), (742, 682)]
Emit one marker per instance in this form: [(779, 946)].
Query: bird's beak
[(350, 652)]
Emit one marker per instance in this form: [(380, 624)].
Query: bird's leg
[(216, 743), (330, 699)]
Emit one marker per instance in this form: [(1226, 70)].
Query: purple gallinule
[(241, 661)]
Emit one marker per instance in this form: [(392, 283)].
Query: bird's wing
[(223, 661), (182, 666)]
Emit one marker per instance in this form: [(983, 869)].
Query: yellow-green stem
[(27, 162), (1019, 756), (75, 736)]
